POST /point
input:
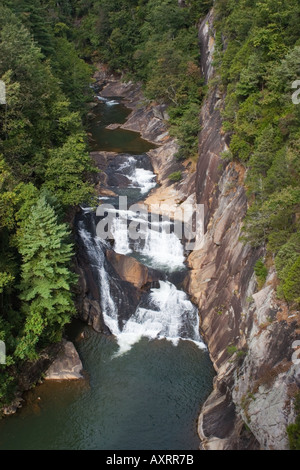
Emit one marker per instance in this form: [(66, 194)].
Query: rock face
[(249, 334), (29, 375), (88, 302), (67, 365), (102, 160), (130, 270)]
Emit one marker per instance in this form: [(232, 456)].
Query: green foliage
[(7, 196), (260, 62), (38, 115), (176, 176), (45, 279), (73, 73), (66, 170), (261, 273), (293, 430), (41, 129), (290, 286), (239, 353), (232, 349)]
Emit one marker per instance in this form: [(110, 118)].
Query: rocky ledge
[(58, 361), (130, 270), (67, 365)]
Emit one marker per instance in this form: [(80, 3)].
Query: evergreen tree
[(66, 170), (46, 280)]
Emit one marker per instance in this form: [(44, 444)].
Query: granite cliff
[(250, 334)]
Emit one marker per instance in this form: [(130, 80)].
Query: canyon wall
[(249, 333)]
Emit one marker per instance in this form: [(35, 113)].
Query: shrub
[(176, 176), (293, 430), (261, 273)]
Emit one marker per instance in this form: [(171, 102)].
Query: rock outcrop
[(67, 365), (30, 375), (130, 270), (249, 333), (88, 302)]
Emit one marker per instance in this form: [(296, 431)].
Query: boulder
[(130, 270), (67, 365)]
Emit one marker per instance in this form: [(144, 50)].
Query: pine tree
[(46, 279)]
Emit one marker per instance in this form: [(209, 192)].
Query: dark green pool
[(146, 399)]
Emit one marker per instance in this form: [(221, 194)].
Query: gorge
[(181, 349), (145, 329)]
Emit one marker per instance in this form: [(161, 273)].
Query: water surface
[(148, 398)]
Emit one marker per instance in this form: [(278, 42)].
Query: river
[(146, 381)]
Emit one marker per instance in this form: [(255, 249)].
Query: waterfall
[(107, 101), (95, 249), (120, 233), (157, 246), (140, 178), (143, 179), (164, 249), (163, 313), (166, 312), (169, 315)]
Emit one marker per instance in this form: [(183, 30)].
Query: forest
[(48, 50), (257, 71)]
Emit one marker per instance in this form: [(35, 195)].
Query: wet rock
[(67, 365), (130, 270), (14, 406), (112, 127), (31, 374), (88, 302)]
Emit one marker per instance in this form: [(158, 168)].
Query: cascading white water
[(95, 250), (168, 315), (166, 312), (143, 179), (157, 245), (140, 178), (107, 101), (120, 234), (162, 249), (165, 250)]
